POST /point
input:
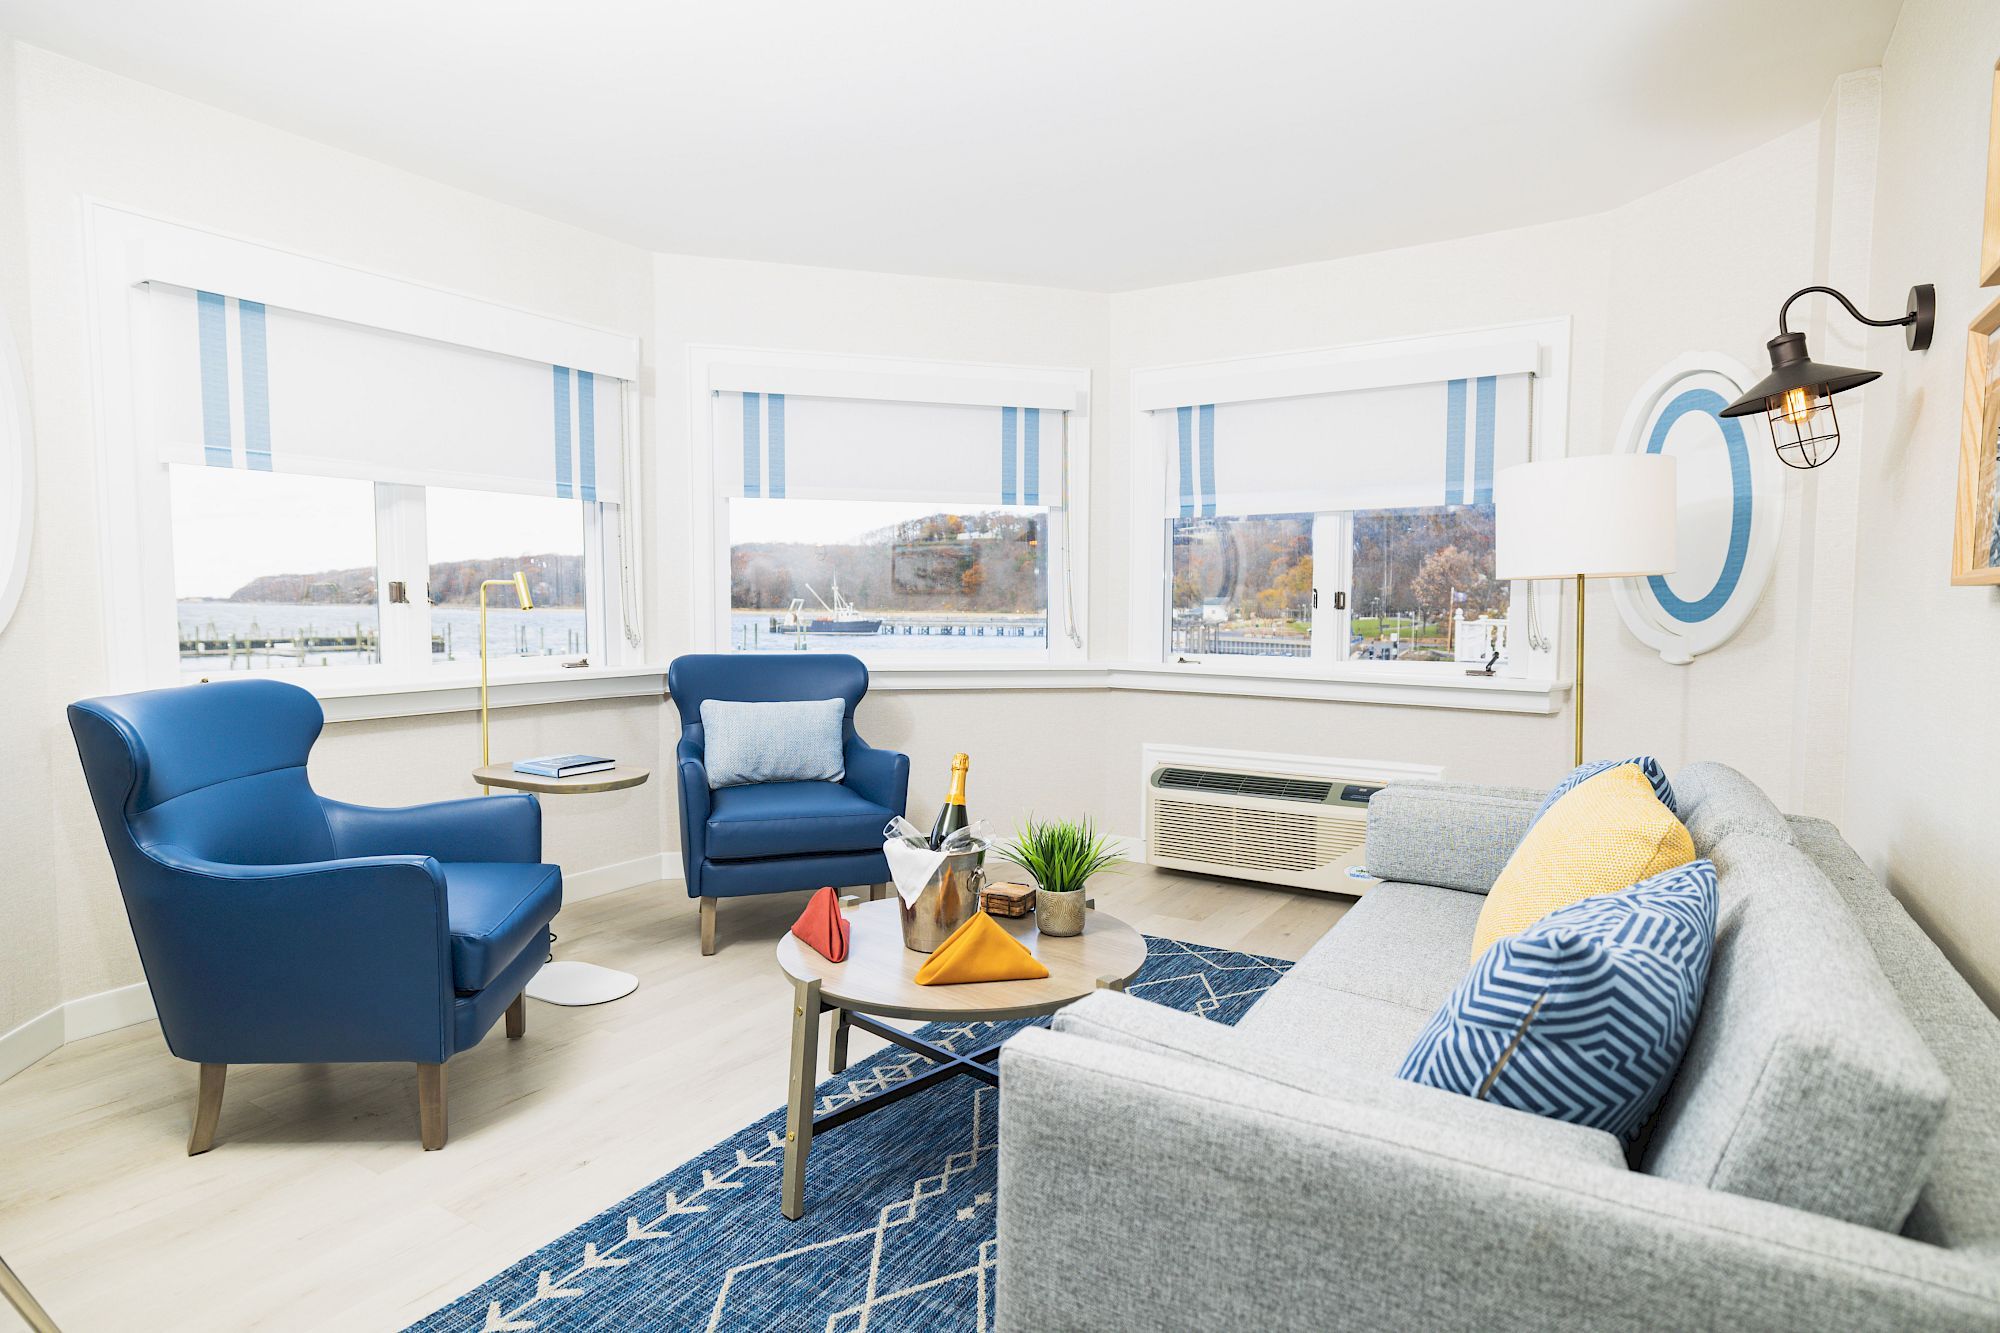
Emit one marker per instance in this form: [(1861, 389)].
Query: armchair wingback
[(276, 926), (780, 836)]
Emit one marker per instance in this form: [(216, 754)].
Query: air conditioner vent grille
[(1270, 786), (1251, 840)]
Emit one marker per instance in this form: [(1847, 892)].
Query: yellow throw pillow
[(1605, 834)]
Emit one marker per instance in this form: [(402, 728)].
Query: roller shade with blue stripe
[(232, 383), (1407, 446), (779, 446)]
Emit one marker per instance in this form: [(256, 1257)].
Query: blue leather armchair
[(780, 836), (278, 927)]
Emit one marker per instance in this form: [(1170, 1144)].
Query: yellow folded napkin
[(979, 950)]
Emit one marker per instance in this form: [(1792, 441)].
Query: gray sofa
[(1827, 1158)]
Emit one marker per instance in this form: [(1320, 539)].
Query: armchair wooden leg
[(707, 927), (517, 1016), (430, 1105), (877, 892), (207, 1109)]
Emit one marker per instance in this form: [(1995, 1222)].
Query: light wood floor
[(318, 1210)]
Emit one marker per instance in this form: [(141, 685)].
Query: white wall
[(1695, 267), (89, 135), (1926, 717)]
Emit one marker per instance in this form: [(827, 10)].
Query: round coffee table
[(879, 980)]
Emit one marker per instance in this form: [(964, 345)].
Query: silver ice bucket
[(950, 897)]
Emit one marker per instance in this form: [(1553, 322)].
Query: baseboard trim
[(649, 869), (73, 1020)]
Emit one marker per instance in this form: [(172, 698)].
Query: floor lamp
[(1605, 516)]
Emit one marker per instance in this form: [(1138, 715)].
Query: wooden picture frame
[(1989, 247), (1975, 535)]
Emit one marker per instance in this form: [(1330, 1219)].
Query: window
[(1243, 587), (1420, 587), (330, 495), (273, 573), (904, 512), (890, 577), (1335, 509), (280, 573), (471, 536)]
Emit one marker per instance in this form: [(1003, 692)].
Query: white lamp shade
[(1606, 515)]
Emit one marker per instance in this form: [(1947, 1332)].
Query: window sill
[(1342, 684), (348, 701)]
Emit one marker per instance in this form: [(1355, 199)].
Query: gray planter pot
[(1059, 914)]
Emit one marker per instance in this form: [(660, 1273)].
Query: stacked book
[(563, 765)]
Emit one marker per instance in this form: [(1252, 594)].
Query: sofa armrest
[(325, 962), (479, 828), (694, 799), (1449, 835), (882, 776), (1140, 1025), (1139, 1190)]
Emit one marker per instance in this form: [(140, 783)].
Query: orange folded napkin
[(979, 950), (823, 927)]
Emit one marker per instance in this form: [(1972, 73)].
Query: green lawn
[(1376, 627)]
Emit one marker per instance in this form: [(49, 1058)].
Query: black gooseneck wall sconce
[(1796, 398)]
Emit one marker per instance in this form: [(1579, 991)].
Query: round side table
[(571, 983)]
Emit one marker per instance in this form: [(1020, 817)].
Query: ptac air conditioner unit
[(1278, 828)]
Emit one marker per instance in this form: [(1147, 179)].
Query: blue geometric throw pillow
[(1647, 765), (1584, 1016)]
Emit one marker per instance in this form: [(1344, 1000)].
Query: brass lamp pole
[(519, 583)]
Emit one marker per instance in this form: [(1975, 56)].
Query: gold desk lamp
[(519, 583)]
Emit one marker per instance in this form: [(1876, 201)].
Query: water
[(544, 632), (751, 630)]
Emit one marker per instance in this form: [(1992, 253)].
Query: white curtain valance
[(1407, 447), (233, 383), (778, 446)]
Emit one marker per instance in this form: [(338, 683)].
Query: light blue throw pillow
[(791, 741), (1584, 1016), (1647, 765)]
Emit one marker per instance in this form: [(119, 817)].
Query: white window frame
[(1545, 344), (891, 379), (125, 250)]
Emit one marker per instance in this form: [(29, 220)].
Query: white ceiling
[(1101, 144)]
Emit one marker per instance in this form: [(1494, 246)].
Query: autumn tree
[(1445, 571)]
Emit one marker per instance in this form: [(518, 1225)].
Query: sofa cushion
[(1805, 1083), (1583, 1016), (1605, 834), (493, 909), (1718, 802), (792, 819), (1656, 777), (1453, 835), (791, 740), (1404, 943), (1325, 1024)]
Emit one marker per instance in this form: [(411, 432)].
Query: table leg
[(1111, 983), (799, 1105), (836, 1056)]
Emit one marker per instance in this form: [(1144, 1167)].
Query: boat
[(840, 617)]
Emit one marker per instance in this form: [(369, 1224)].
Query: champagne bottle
[(951, 816)]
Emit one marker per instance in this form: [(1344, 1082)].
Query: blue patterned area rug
[(898, 1231)]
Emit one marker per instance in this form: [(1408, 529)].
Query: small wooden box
[(1007, 899)]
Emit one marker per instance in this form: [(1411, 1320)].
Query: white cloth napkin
[(911, 867)]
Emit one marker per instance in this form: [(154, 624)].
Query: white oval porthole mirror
[(17, 476), (1731, 503)]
